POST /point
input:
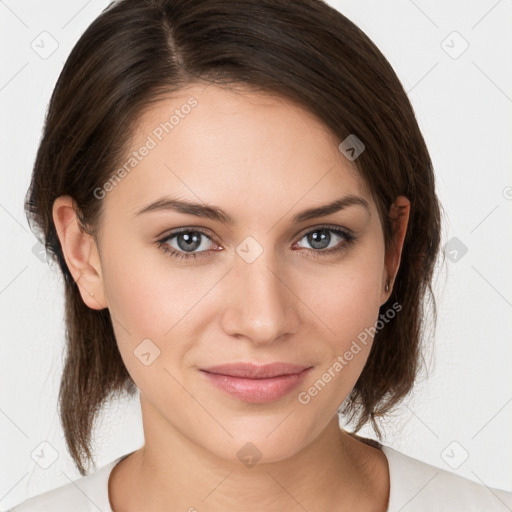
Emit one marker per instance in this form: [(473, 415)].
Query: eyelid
[(325, 226), (175, 231)]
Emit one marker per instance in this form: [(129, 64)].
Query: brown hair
[(136, 51)]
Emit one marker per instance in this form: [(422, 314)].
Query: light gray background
[(463, 105)]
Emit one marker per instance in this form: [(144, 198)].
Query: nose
[(261, 305)]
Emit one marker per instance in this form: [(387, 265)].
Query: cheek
[(346, 301), (145, 292), (350, 310), (346, 297)]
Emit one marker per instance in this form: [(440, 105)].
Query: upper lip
[(254, 371)]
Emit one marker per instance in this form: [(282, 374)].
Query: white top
[(414, 487)]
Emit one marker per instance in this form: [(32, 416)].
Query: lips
[(252, 383), (253, 371)]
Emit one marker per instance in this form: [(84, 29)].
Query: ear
[(80, 252), (399, 215)]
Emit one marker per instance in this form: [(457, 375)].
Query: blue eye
[(319, 238)]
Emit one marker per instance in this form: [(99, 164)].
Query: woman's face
[(265, 288)]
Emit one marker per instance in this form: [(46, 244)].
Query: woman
[(243, 208)]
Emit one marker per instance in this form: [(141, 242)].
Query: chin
[(255, 446)]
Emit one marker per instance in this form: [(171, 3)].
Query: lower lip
[(257, 391)]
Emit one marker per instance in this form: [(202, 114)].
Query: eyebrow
[(217, 214)]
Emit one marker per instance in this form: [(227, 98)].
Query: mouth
[(256, 384)]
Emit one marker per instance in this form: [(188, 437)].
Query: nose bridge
[(260, 307)]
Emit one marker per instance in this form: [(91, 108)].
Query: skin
[(262, 159)]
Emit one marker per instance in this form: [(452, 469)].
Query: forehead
[(234, 146)]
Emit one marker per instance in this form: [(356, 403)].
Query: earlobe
[(399, 215), (80, 252)]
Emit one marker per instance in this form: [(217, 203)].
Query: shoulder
[(86, 494), (416, 486)]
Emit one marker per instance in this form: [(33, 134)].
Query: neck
[(171, 472)]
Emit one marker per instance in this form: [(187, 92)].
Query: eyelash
[(349, 240)]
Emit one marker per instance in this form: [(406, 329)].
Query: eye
[(190, 243), (185, 241), (325, 240)]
